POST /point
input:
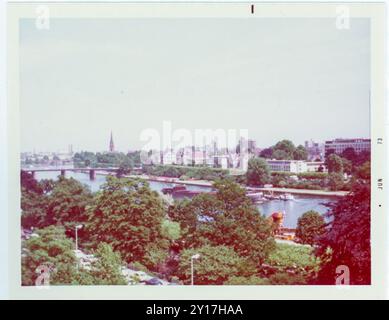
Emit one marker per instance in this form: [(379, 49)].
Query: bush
[(310, 226), (247, 281), (285, 278), (215, 265)]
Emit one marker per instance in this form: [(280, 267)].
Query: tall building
[(111, 144), (252, 146), (314, 150), (339, 145)]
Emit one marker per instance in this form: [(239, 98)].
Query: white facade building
[(316, 166), (295, 166), (339, 145)]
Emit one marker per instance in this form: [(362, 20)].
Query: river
[(293, 209)]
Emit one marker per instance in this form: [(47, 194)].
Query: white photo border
[(374, 11)]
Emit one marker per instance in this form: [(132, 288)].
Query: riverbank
[(293, 209), (205, 183)]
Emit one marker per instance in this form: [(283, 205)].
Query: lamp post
[(79, 226), (194, 257)]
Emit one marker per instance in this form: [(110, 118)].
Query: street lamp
[(194, 257), (79, 226)]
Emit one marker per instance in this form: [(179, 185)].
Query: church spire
[(111, 144)]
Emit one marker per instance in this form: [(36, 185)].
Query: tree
[(28, 182), (335, 181), (182, 212), (363, 171), (281, 155), (300, 153), (347, 166), (247, 281), (285, 278), (155, 257), (127, 215), (34, 209), (215, 265), (67, 202), (125, 166), (267, 153), (258, 172), (295, 260), (362, 158), (347, 239), (349, 154), (226, 218), (334, 164), (171, 230), (283, 150), (310, 226), (49, 202), (34, 200), (106, 269), (50, 248)]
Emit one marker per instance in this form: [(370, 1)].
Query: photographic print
[(195, 150)]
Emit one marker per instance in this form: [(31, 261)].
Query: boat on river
[(181, 191), (255, 196), (286, 196)]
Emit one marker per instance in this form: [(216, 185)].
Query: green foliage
[(312, 175), (281, 155), (294, 260), (285, 278), (127, 215), (183, 213), (363, 172), (67, 202), (258, 172), (106, 270), (226, 218), (34, 209), (292, 256), (300, 153), (310, 226), (267, 153), (155, 257), (49, 202), (347, 166), (335, 181), (247, 281), (171, 230), (356, 159), (347, 241), (34, 200), (334, 164), (215, 265), (28, 182), (107, 159), (284, 150), (51, 248)]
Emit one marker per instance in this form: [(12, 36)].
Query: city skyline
[(294, 85), (110, 147)]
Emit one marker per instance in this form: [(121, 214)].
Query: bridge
[(91, 171)]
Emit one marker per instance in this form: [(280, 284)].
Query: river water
[(293, 209)]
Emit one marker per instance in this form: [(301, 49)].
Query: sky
[(278, 78)]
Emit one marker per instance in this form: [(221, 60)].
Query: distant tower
[(111, 144)]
